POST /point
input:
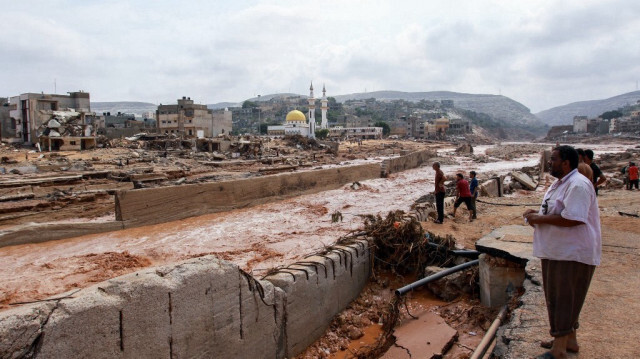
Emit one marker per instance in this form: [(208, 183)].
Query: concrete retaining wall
[(403, 163), (164, 204), (203, 308), (318, 289), (42, 232)]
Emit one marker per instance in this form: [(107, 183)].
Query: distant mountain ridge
[(130, 107), (563, 115), (499, 107)]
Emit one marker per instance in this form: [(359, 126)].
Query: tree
[(249, 104), (322, 133), (386, 130), (611, 114)]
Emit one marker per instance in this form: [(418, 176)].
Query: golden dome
[(296, 116)]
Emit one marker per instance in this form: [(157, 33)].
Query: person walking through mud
[(463, 194), (598, 177), (633, 175), (473, 187), (567, 239), (439, 191)]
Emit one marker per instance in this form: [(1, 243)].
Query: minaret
[(324, 107), (312, 113)]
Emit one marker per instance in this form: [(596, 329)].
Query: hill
[(221, 105), (499, 107), (563, 115), (136, 108)]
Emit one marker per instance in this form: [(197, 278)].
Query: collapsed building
[(31, 115)]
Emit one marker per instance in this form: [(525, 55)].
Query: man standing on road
[(439, 191), (463, 194), (567, 239), (473, 187), (598, 177)]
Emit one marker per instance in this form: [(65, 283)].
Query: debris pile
[(465, 149), (65, 123)]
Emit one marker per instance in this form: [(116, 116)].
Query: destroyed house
[(32, 113)]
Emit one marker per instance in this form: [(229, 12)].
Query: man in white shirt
[(567, 239)]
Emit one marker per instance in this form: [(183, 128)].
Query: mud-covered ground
[(269, 235), (109, 169)]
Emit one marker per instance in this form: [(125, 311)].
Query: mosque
[(296, 123)]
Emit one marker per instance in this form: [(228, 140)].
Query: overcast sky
[(542, 53)]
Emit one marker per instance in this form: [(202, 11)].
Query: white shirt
[(574, 198)]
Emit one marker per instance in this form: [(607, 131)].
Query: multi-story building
[(625, 124), (33, 111), (458, 126), (356, 132), (189, 119), (7, 128), (580, 123), (222, 122), (358, 121)]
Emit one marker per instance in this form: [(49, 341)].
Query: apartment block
[(189, 119)]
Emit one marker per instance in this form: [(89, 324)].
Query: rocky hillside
[(136, 108), (563, 115), (499, 107)]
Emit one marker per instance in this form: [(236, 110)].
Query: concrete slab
[(514, 243), (524, 179), (426, 337)]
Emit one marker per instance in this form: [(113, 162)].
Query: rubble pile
[(65, 123), (465, 149)]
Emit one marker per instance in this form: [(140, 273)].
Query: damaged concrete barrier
[(318, 289), (150, 206), (202, 308), (499, 279), (406, 162), (42, 232), (492, 187), (506, 252)]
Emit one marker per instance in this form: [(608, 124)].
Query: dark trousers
[(565, 286), (632, 183), (473, 201), (440, 205)]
